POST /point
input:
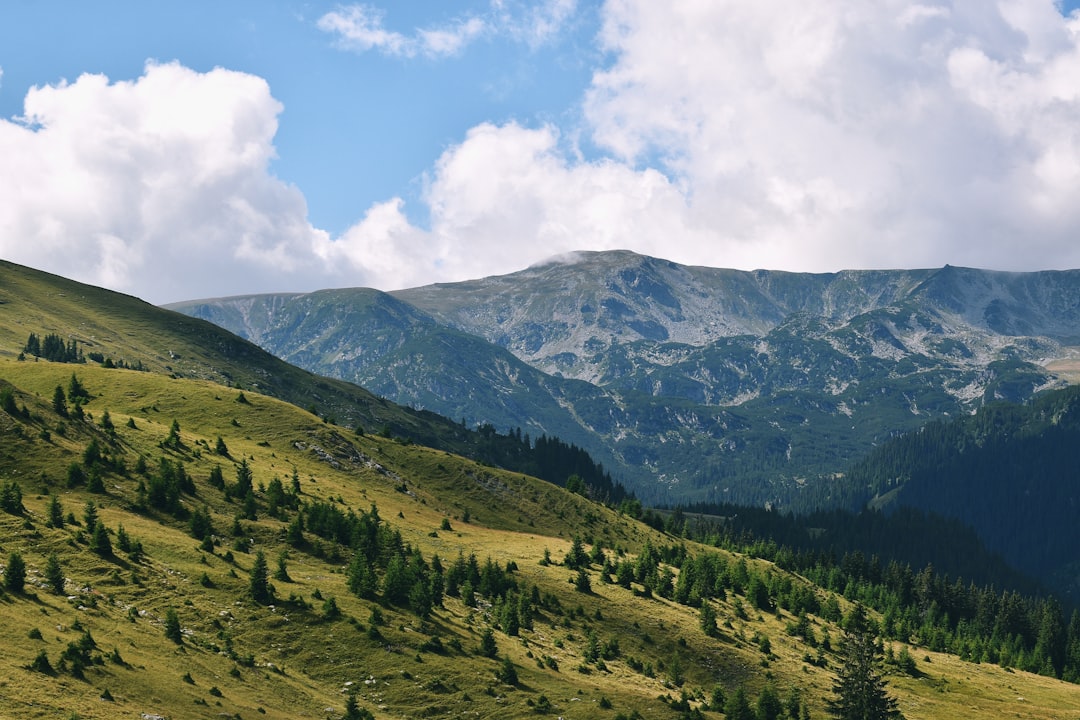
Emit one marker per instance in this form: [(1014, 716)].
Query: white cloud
[(158, 187), (831, 135), (360, 28), (505, 197), (828, 135), (534, 23), (843, 133)]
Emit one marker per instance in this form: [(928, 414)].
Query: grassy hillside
[(97, 645), (125, 329), (287, 658)]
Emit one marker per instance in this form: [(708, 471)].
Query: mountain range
[(191, 527), (689, 384)]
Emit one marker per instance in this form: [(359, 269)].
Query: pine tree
[(90, 516), (54, 574), (488, 648), (56, 512), (294, 535), (859, 685), (217, 478), (582, 583), (282, 571), (99, 541), (59, 402), (11, 498), (172, 626), (576, 557), (76, 391), (244, 479), (354, 712), (33, 345), (507, 673), (708, 619), (173, 440), (260, 585), (15, 573), (737, 706), (769, 706)]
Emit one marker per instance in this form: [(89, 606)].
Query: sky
[(180, 150)]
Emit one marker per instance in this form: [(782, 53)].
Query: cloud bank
[(827, 135)]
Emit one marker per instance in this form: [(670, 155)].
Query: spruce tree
[(172, 626), (244, 478), (90, 516), (576, 557), (859, 685), (59, 402), (488, 648), (54, 574), (56, 513), (11, 498), (15, 573), (76, 391), (737, 706), (260, 585), (99, 541)]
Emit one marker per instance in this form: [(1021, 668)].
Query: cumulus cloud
[(830, 135), (842, 133), (505, 197), (158, 187)]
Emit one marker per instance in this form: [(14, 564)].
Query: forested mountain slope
[(183, 549), (176, 547), (107, 327), (690, 384), (1009, 471)]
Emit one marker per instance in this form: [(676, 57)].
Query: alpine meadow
[(191, 527)]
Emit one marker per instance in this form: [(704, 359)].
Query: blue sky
[(239, 147)]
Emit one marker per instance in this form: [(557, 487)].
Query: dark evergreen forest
[(1010, 472)]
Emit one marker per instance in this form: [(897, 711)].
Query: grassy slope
[(302, 662), (512, 518), (125, 328)]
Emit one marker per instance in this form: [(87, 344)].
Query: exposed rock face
[(689, 383)]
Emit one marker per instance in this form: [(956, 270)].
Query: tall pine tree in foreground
[(859, 686)]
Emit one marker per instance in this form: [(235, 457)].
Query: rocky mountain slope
[(689, 383)]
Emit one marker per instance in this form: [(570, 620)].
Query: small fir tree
[(488, 647), (54, 574), (738, 707), (90, 516), (99, 541), (172, 626), (507, 673), (15, 573), (282, 571), (859, 685), (56, 513), (59, 402), (259, 586)]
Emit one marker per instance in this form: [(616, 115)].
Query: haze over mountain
[(689, 383)]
